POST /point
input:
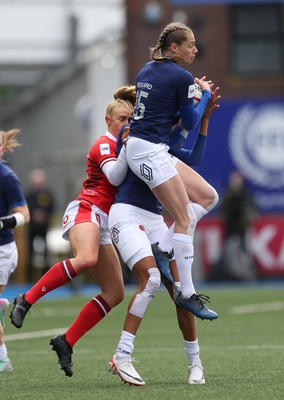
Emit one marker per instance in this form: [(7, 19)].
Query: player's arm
[(19, 210), (191, 115), (115, 167), (211, 107), (193, 156), (20, 216), (178, 137)]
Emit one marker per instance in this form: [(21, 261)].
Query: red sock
[(55, 277), (92, 312)]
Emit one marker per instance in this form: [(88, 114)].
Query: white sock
[(3, 351), (125, 345), (192, 351), (183, 249)]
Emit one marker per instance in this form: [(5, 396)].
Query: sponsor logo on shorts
[(66, 219), (146, 172), (115, 235)]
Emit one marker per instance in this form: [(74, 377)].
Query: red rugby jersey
[(96, 188)]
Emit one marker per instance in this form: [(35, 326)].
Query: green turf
[(242, 353)]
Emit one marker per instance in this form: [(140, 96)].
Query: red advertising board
[(266, 244)]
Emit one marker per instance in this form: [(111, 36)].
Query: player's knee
[(154, 281), (213, 200), (86, 262)]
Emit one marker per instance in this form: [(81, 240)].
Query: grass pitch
[(242, 352)]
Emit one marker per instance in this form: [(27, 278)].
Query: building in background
[(60, 62)]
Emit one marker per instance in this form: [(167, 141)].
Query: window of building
[(257, 39)]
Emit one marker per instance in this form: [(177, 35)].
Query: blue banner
[(248, 136)]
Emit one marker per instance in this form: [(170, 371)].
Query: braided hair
[(175, 32)]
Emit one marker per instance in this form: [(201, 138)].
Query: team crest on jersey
[(104, 148), (256, 144)]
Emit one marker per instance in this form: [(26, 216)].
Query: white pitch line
[(36, 334), (252, 347), (254, 308)]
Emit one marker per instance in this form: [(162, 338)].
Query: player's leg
[(107, 274), (194, 304), (135, 250), (8, 264), (148, 277), (83, 231), (153, 164), (187, 325), (84, 239), (5, 363), (202, 195), (186, 319)]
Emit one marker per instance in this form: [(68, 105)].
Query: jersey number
[(139, 109)]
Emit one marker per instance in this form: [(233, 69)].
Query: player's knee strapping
[(192, 219), (143, 299)]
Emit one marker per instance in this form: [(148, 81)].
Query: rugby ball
[(197, 94)]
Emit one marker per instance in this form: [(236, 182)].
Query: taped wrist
[(12, 221)]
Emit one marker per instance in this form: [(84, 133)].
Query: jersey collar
[(110, 135)]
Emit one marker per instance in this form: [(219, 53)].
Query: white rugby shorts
[(8, 261), (79, 211), (151, 162), (133, 230)]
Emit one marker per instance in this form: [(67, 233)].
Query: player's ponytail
[(126, 93), (9, 141), (124, 96)]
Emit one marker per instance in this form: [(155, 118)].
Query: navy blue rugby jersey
[(11, 196), (137, 193), (164, 88)]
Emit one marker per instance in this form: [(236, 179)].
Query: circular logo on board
[(256, 143)]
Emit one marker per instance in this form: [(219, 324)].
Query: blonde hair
[(175, 32), (124, 96), (9, 140)]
